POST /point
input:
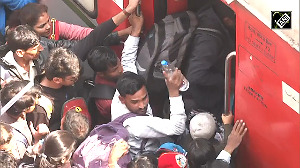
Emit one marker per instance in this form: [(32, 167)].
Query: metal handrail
[(228, 60)]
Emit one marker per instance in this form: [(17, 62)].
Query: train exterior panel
[(267, 90)]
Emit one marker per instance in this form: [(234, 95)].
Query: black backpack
[(167, 40), (99, 91)]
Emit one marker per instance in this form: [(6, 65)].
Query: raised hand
[(236, 136), (119, 149), (132, 5), (136, 23), (40, 131), (227, 119), (174, 82)]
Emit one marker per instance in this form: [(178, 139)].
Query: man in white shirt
[(25, 47), (132, 96)]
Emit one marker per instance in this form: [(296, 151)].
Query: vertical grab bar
[(228, 60)]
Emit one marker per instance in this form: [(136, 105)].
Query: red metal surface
[(177, 6), (264, 61), (109, 10)]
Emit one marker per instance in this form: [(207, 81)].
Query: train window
[(89, 7)]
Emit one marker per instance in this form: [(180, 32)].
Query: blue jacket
[(12, 5)]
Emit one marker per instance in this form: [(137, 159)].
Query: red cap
[(172, 160), (79, 105)]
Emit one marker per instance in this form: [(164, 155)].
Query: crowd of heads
[(63, 68)]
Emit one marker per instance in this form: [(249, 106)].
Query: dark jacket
[(49, 44), (101, 35), (205, 69)]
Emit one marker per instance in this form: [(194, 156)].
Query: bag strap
[(102, 91), (20, 137), (10, 68), (124, 117), (216, 34), (193, 23), (212, 31), (143, 144), (159, 35), (54, 35)]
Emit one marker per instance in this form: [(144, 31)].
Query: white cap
[(203, 125)]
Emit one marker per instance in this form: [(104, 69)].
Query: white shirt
[(118, 109), (140, 127), (156, 127), (5, 74), (225, 156)]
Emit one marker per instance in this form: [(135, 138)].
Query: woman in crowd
[(57, 150)]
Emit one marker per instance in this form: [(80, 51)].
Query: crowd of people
[(43, 124)]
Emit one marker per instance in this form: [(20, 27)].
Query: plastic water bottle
[(169, 69)]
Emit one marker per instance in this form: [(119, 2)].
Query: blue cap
[(172, 147), (164, 62)]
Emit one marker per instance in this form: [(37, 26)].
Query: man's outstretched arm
[(129, 52)]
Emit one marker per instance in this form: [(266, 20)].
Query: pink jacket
[(69, 31)]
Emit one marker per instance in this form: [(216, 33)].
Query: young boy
[(25, 48), (108, 69), (62, 69)]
